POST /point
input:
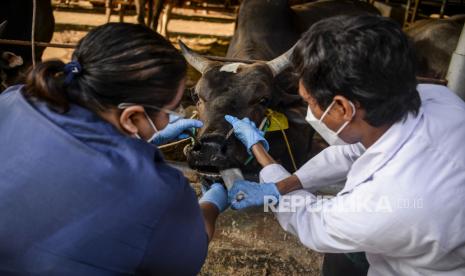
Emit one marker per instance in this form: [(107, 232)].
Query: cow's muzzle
[(210, 154)]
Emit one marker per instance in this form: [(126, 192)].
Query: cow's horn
[(3, 26), (280, 63), (197, 61)]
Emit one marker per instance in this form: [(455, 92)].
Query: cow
[(18, 26), (265, 30), (308, 14), (8, 60), (155, 9), (435, 41)]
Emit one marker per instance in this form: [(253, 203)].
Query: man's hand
[(174, 130), (246, 131), (217, 196), (244, 194)]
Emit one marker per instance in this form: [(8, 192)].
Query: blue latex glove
[(252, 193), (216, 195), (246, 131), (174, 130)]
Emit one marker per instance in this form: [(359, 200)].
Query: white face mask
[(331, 137), (124, 105), (153, 127)]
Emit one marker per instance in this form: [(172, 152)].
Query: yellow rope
[(194, 115), (174, 143), (289, 150)]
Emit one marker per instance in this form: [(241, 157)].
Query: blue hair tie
[(71, 70)]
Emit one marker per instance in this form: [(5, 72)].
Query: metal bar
[(124, 2), (415, 11), (33, 34), (195, 35), (443, 8), (215, 58), (407, 13), (225, 59), (71, 46), (43, 44)]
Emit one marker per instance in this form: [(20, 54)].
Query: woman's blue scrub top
[(79, 198)]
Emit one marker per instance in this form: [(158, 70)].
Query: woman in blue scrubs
[(83, 188)]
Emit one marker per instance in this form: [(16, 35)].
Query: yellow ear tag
[(278, 121)]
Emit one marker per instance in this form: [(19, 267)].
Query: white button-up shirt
[(403, 202)]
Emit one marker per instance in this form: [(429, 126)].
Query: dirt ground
[(248, 242)]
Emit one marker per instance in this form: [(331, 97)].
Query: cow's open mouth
[(207, 162), (211, 154), (209, 159)]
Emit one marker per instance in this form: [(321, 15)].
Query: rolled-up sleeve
[(273, 173), (329, 167)]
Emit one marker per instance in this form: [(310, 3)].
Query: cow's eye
[(264, 101), (194, 95)]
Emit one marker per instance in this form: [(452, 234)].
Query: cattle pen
[(246, 243)]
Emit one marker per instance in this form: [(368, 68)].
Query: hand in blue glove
[(246, 131), (174, 129), (244, 194), (216, 195)]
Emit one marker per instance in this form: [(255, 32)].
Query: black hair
[(120, 62), (367, 59)]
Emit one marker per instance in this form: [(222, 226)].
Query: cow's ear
[(12, 60)]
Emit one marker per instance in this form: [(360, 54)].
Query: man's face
[(330, 119), (340, 112)]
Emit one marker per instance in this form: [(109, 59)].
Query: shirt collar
[(381, 151)]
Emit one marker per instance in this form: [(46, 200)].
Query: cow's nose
[(209, 153)]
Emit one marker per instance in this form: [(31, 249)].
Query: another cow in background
[(435, 40), (18, 14)]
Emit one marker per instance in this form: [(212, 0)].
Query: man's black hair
[(367, 59)]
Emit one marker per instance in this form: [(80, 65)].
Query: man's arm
[(262, 156), (289, 184), (330, 166), (339, 224)]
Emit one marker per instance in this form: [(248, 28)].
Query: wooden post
[(108, 7)]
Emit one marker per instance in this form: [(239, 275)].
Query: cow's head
[(8, 61), (238, 89)]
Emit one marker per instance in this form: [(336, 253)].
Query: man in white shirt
[(398, 147)]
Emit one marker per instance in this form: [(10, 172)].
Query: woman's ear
[(344, 107), (130, 117)]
